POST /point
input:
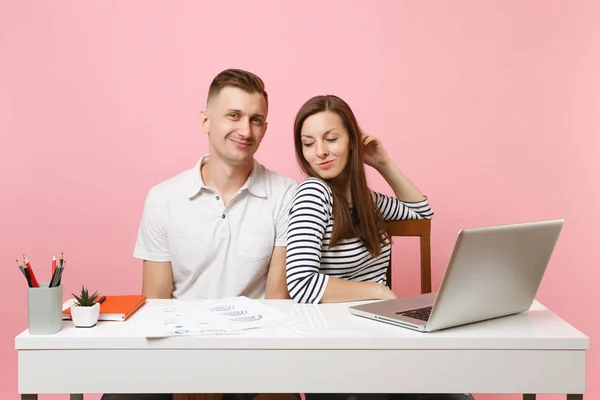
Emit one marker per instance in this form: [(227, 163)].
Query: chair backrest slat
[(412, 228)]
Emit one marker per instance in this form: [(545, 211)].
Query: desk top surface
[(325, 326)]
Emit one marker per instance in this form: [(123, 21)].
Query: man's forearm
[(156, 292)]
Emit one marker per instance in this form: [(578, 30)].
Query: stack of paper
[(204, 317)]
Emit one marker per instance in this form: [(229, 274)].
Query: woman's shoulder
[(315, 188), (315, 184)]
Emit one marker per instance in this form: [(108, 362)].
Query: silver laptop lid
[(493, 271)]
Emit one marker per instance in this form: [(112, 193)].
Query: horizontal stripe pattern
[(309, 262)]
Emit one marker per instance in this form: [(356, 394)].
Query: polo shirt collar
[(255, 183)]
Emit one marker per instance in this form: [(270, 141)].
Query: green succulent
[(85, 300)]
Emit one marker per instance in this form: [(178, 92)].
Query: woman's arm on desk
[(157, 280)]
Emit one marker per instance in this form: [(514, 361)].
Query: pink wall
[(492, 108)]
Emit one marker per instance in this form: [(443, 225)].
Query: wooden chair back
[(412, 228)]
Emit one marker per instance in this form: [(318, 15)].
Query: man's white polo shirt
[(216, 250)]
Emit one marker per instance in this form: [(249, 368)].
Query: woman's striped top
[(309, 262)]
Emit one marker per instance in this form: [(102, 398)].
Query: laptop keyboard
[(418, 313)]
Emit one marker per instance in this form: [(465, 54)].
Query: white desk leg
[(76, 397)]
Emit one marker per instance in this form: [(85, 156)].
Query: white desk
[(329, 351)]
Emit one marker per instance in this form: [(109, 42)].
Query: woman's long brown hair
[(366, 221)]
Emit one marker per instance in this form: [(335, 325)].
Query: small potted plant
[(85, 311)]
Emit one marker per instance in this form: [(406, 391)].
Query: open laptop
[(493, 272)]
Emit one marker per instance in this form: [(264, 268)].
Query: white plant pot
[(85, 317)]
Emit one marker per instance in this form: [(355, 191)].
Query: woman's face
[(325, 144)]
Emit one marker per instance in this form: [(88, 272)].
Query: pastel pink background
[(491, 108)]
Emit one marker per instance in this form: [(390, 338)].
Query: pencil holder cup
[(44, 309)]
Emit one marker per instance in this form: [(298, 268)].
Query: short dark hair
[(247, 81)]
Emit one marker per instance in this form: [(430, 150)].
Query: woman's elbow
[(297, 296), (299, 288)]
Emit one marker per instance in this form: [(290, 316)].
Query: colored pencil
[(27, 266)]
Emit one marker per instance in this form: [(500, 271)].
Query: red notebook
[(116, 308)]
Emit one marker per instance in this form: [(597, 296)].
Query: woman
[(345, 260), (337, 247)]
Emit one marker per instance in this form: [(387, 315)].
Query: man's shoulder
[(173, 185), (276, 181)]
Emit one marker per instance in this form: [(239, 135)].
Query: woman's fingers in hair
[(368, 139)]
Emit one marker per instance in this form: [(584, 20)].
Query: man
[(219, 229)]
